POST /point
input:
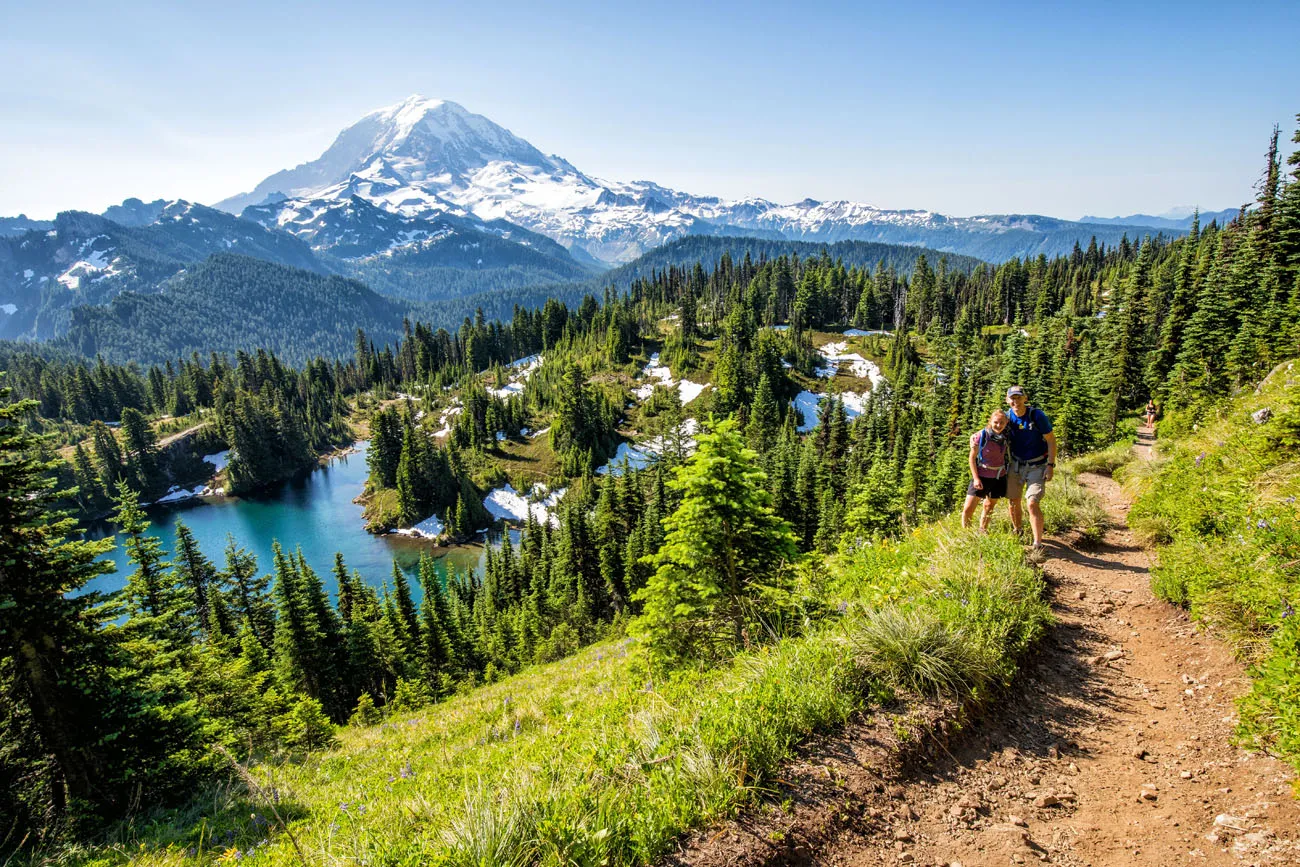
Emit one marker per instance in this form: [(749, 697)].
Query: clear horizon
[(1030, 109)]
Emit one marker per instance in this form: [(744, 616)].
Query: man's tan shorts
[(1031, 479)]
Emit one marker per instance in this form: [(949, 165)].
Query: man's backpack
[(1000, 467)]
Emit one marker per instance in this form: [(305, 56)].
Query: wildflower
[(1262, 524), (1200, 458), (344, 806), (844, 606), (406, 772), (517, 728)]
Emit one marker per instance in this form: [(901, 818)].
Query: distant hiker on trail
[(1151, 415), (989, 464), (1033, 461)]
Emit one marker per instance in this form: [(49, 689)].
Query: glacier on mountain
[(431, 159)]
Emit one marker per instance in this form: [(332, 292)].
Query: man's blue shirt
[(1026, 434)]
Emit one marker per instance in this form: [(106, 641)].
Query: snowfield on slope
[(638, 456), (808, 405), (659, 374), (506, 503), (837, 354)]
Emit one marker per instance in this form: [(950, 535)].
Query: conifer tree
[(717, 576), (158, 606), (249, 600), (194, 572), (79, 725)]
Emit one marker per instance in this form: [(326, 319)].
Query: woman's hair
[(998, 412)]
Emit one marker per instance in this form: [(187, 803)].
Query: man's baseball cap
[(1014, 390)]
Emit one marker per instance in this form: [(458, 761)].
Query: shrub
[(411, 694), (366, 714), (306, 726)]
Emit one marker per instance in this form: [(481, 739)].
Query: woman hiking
[(989, 460)]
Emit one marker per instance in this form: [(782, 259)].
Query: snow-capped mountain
[(88, 259), (427, 159)]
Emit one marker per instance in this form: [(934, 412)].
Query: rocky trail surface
[(1113, 748)]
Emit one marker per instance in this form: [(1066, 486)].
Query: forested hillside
[(89, 259), (752, 579), (231, 303), (709, 249)]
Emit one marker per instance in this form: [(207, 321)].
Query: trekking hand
[(1047, 476), (979, 484)]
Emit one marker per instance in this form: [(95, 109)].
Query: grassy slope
[(1221, 503), (591, 760)]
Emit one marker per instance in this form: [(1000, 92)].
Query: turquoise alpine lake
[(314, 512)]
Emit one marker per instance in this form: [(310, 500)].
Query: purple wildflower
[(1200, 458), (406, 772)]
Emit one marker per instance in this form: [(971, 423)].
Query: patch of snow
[(28, 273), (508, 504), (430, 528), (837, 354), (641, 455), (175, 494), (659, 374), (536, 434), (447, 415), (219, 461), (690, 390), (524, 368), (808, 404)]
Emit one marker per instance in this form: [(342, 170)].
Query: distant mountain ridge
[(90, 259), (50, 267), (432, 159), (1177, 220)]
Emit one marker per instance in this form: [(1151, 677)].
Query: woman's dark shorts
[(993, 488)]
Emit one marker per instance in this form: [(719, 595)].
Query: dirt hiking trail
[(1114, 748)]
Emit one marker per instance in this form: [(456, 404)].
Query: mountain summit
[(429, 159), (402, 157)]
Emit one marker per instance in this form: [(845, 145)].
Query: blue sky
[(963, 108)]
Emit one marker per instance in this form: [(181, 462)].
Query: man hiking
[(1033, 462), (989, 460)]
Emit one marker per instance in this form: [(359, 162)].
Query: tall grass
[(1221, 505)]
